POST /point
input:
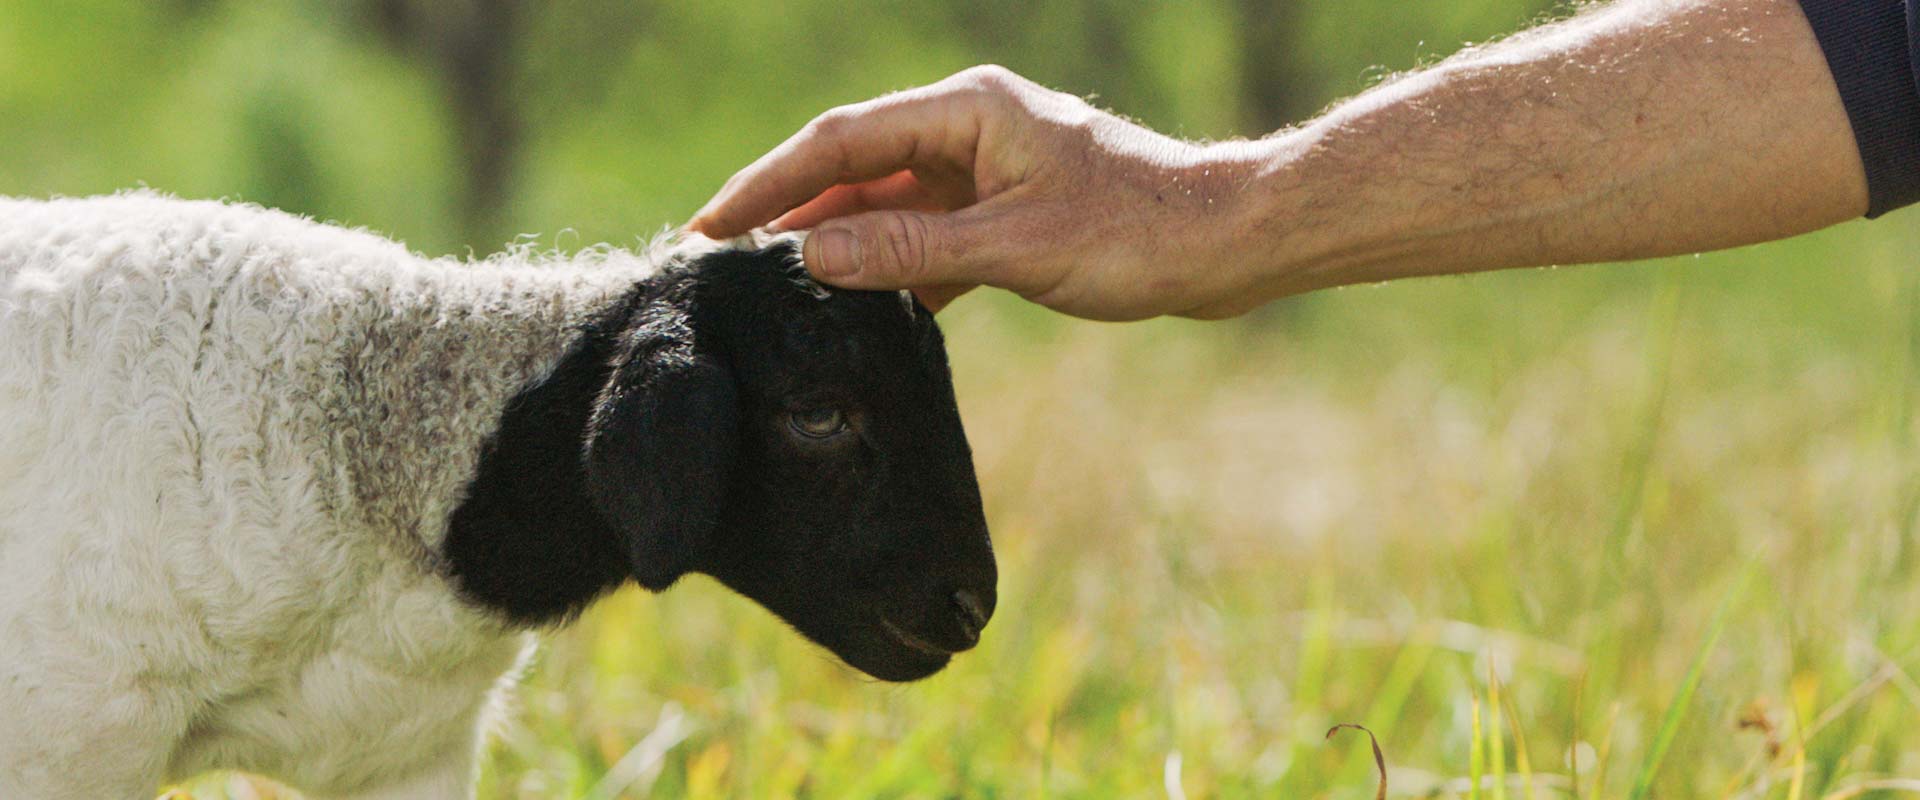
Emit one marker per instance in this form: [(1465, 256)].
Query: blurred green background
[(1492, 518)]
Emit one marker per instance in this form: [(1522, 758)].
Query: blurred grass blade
[(1476, 757), (1677, 710), (1887, 785), (1663, 324), (1520, 758), (1573, 741), (646, 756), (1379, 758), (1170, 777), (1496, 738), (1606, 750), (1799, 782)]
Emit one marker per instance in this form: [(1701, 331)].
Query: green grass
[(1218, 541)]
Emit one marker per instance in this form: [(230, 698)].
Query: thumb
[(896, 250)]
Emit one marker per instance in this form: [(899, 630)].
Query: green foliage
[(1218, 540)]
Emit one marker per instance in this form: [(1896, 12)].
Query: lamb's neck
[(526, 541), (439, 355)]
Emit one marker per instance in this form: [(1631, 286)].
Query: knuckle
[(991, 78), (908, 243), (831, 125)]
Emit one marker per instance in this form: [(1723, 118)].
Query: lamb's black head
[(803, 447)]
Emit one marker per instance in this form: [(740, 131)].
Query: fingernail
[(836, 252), (703, 219)]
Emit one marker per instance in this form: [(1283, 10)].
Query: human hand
[(988, 178)]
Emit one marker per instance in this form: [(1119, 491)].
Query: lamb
[(284, 497)]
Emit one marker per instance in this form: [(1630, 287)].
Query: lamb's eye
[(817, 423)]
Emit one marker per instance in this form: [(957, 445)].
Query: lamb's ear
[(660, 451)]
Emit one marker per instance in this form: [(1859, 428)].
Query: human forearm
[(1642, 128), (1636, 130)]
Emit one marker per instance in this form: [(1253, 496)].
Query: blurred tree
[(1093, 52), (1096, 46), (462, 122), (1277, 86), (469, 47), (285, 170)]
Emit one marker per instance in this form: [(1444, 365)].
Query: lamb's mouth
[(911, 641)]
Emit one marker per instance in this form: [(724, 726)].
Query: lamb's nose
[(973, 611)]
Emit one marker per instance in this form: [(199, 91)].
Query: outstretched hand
[(1635, 130), (988, 178)]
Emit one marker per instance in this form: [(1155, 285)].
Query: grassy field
[(1522, 504)]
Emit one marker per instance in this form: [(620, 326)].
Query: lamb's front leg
[(103, 781), (70, 741), (450, 776)]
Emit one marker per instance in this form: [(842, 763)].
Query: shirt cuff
[(1873, 49)]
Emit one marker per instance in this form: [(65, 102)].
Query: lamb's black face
[(835, 486)]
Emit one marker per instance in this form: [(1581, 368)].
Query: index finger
[(852, 143)]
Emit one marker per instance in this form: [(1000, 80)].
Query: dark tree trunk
[(469, 47), (1276, 84)]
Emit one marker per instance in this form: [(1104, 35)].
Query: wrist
[(1271, 240)]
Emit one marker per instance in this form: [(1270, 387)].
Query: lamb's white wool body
[(213, 418)]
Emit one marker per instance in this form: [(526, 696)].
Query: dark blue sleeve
[(1873, 48)]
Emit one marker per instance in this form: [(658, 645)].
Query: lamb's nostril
[(973, 612)]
